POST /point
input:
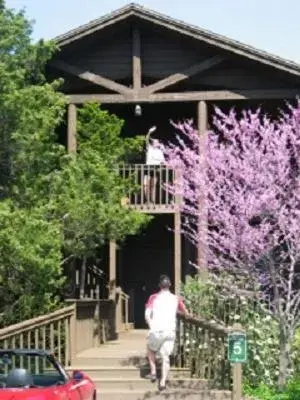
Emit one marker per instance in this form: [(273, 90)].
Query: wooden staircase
[(95, 336), (119, 369)]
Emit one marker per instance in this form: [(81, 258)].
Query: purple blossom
[(247, 179)]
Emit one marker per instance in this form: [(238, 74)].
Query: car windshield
[(28, 370)]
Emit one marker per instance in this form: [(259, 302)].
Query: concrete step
[(111, 351), (131, 372), (168, 394), (123, 384), (112, 361)]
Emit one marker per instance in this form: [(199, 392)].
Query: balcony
[(147, 188)]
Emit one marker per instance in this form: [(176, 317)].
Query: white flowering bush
[(296, 354), (209, 299)]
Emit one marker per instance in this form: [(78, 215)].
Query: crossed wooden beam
[(151, 93), (118, 88), (100, 80), (88, 76)]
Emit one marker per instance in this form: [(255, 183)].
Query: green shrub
[(261, 392), (209, 300), (264, 392)]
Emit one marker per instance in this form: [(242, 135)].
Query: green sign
[(237, 347)]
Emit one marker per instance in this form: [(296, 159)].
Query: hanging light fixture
[(138, 110)]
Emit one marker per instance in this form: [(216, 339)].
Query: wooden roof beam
[(188, 73), (218, 95), (96, 79), (136, 60)]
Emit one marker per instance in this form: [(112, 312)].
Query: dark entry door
[(144, 258)]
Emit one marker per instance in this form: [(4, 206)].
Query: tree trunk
[(69, 291), (284, 358), (82, 278)]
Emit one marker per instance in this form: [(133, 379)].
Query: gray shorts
[(161, 341)]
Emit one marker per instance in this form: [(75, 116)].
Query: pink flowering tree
[(241, 202)]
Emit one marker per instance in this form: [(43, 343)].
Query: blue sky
[(271, 25)]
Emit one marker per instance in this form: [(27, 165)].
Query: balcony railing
[(95, 283), (147, 187)]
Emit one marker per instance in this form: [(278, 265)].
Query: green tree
[(21, 66), (30, 263), (53, 206), (87, 193), (100, 132), (30, 109)]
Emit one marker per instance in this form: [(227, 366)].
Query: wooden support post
[(126, 312), (112, 269), (73, 336), (177, 242), (136, 60), (72, 120), (237, 373), (177, 251), (202, 223), (82, 282)]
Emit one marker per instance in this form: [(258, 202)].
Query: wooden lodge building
[(173, 71)]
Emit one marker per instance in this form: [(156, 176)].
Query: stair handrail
[(53, 332), (122, 310), (212, 325), (201, 346), (24, 326)]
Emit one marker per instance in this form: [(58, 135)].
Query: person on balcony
[(154, 157), (160, 314)]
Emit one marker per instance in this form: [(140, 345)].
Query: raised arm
[(148, 138), (151, 130)]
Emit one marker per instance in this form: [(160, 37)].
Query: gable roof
[(183, 28)]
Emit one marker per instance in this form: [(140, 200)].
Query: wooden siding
[(163, 52), (234, 78), (236, 73), (74, 85), (108, 56), (163, 56), (112, 60)]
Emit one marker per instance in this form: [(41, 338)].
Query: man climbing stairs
[(119, 370)]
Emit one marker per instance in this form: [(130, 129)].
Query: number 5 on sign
[(237, 347)]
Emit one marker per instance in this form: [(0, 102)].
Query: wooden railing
[(85, 323), (158, 198), (91, 283), (95, 323), (122, 311), (201, 346), (52, 332)]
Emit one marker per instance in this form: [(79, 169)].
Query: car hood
[(32, 394)]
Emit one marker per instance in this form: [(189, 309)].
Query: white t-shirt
[(163, 307), (154, 155)]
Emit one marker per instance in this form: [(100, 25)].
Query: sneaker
[(162, 388), (152, 377)]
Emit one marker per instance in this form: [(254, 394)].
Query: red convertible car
[(37, 375)]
